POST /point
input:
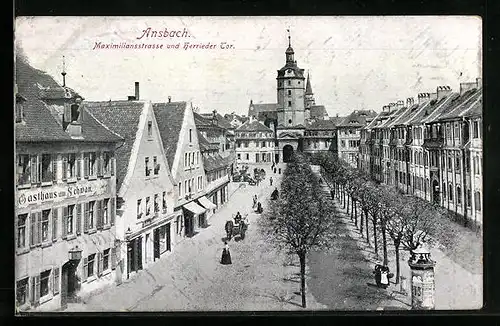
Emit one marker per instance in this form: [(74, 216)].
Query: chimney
[(410, 101), (169, 99), (137, 91), (479, 82), (392, 107), (433, 96), (422, 97), (400, 104), (131, 98), (443, 91), (386, 108)]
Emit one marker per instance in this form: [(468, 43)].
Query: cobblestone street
[(191, 277)]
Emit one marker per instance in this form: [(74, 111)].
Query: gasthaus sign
[(57, 193)]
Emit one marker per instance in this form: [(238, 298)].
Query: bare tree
[(301, 220)]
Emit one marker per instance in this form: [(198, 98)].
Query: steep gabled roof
[(468, 100), (254, 125), (121, 117), (44, 99), (217, 161), (318, 111), (169, 117), (321, 125), (337, 120), (357, 118), (221, 121), (255, 109)]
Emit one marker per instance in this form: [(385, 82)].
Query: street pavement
[(341, 278), (456, 287), (192, 278)]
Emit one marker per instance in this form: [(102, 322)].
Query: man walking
[(271, 180)]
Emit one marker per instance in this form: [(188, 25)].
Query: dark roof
[(321, 125), (254, 125), (318, 111), (221, 121), (292, 66), (255, 109), (308, 86), (122, 117), (217, 161), (377, 120), (169, 117), (337, 120), (43, 108), (267, 115), (205, 145), (471, 99), (357, 118)]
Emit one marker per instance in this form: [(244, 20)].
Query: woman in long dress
[(226, 255)]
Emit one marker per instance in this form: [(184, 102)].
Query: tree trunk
[(374, 220), (361, 225), (384, 245), (367, 228), (348, 197), (302, 258), (355, 212), (396, 247), (343, 197)]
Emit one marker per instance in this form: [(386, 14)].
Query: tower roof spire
[(289, 50), (308, 85), (63, 73)]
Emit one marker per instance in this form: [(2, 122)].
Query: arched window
[(450, 192), (477, 200), (459, 195), (444, 190)]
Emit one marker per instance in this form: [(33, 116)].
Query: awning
[(195, 208), (206, 202)]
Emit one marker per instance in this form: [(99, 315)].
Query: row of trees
[(403, 220), (302, 219)]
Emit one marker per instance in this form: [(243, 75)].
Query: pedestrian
[(275, 170), (226, 255), (271, 181), (259, 208), (279, 171), (254, 201)]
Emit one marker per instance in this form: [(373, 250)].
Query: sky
[(362, 62)]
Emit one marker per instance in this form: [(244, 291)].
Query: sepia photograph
[(216, 164)]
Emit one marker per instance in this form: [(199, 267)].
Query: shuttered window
[(64, 222), (99, 214), (55, 219), (79, 166), (86, 218), (54, 167), (65, 167), (99, 164), (112, 211), (86, 166), (34, 169), (33, 231), (78, 219), (85, 269), (112, 161)]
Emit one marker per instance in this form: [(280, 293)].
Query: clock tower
[(290, 92)]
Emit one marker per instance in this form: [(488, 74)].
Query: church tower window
[(289, 103), (289, 83), (289, 93)]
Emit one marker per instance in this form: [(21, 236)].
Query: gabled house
[(179, 135), (65, 194), (145, 186)]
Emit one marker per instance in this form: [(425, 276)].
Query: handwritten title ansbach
[(149, 33)]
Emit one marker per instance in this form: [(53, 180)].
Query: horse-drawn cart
[(236, 227)]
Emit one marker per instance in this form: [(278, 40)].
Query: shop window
[(44, 283), (22, 291), (105, 260)]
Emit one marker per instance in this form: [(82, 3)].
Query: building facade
[(289, 118), (255, 143), (431, 148), (65, 195), (146, 194), (349, 135), (179, 135)]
